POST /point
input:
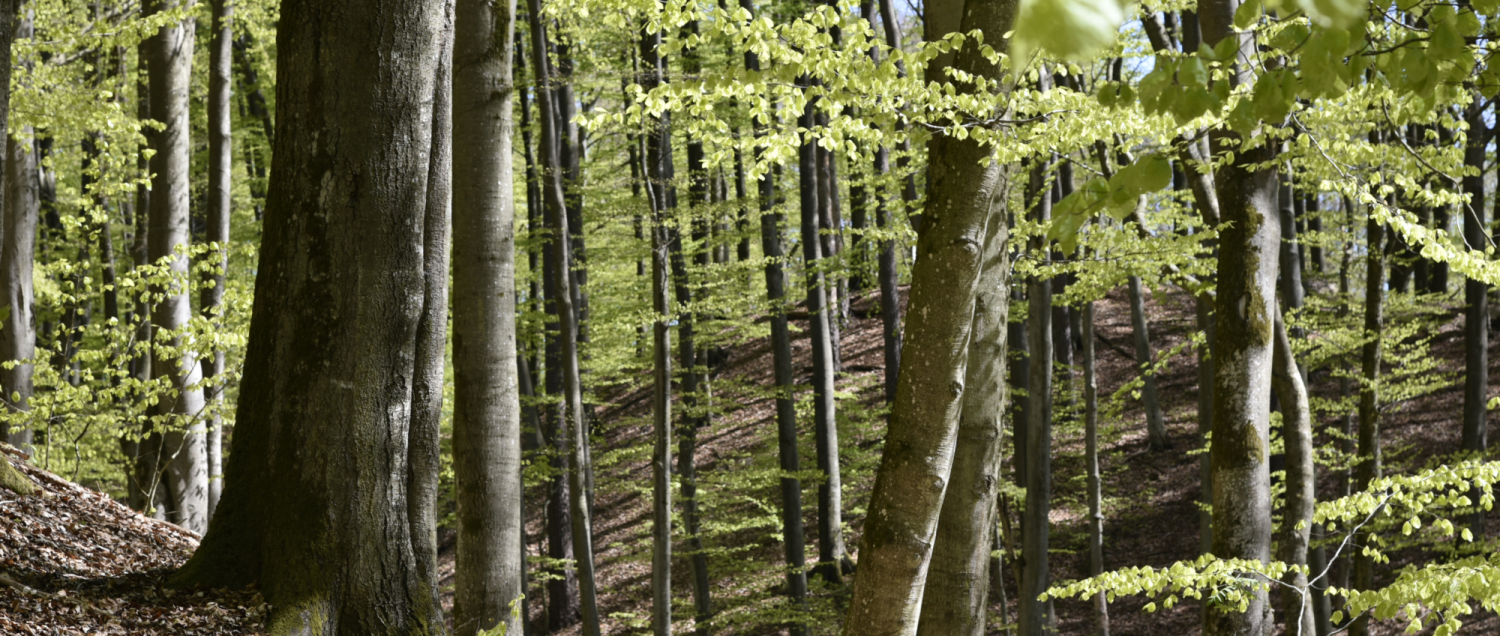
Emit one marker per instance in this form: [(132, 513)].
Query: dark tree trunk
[(486, 406), (1036, 617), (220, 173), (1476, 299), (325, 506), (1368, 465)]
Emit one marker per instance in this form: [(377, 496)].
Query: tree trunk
[(794, 549), (831, 552), (1036, 617), (916, 464), (1091, 460), (1297, 515), (1156, 428), (18, 330), (170, 63), (322, 505), (956, 598), (1242, 351), (1476, 299), (1367, 466), (486, 404), (571, 412), (220, 173)]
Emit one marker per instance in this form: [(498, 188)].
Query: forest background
[(749, 184)]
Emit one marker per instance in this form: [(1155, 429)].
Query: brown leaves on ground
[(74, 561)]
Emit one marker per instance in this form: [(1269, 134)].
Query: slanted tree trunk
[(486, 404), (1156, 428), (956, 598), (1476, 299), (1242, 351), (1297, 514), (561, 283), (1367, 466), (220, 171), (916, 464), (170, 63), (323, 503), (794, 549)]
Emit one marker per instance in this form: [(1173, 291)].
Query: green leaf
[(1333, 13), (1246, 15), (1069, 29)]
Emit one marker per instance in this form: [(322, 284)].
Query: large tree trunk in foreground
[(220, 171), (20, 203), (170, 63), (486, 403), (956, 599), (918, 457), (324, 503), (1242, 351), (1297, 513)]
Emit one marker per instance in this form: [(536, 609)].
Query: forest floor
[(1150, 510), (75, 561)]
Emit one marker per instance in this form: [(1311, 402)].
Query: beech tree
[(326, 484)]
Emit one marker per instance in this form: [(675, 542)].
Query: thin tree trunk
[(831, 552), (1156, 428), (1297, 515), (794, 549), (1476, 299), (572, 408), (918, 457), (335, 407), (1091, 460), (1036, 615), (486, 413), (220, 173), (956, 598), (169, 63), (1368, 465)]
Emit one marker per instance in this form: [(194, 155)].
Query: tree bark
[(1476, 299), (831, 551), (916, 464), (17, 245), (1156, 428), (1297, 515), (170, 64), (1242, 350), (322, 505), (1367, 466), (1036, 617), (571, 412), (1091, 459), (220, 174), (486, 403), (956, 598), (793, 546)]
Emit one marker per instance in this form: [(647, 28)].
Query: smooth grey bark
[(486, 401), (1367, 466), (831, 551), (170, 63), (656, 153), (571, 412), (789, 459), (918, 457), (18, 329), (1297, 513), (955, 601), (1156, 428), (1476, 301), (1290, 255), (1242, 349), (323, 503), (1036, 616), (220, 174)]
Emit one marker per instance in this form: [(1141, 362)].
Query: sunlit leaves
[(1068, 29)]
